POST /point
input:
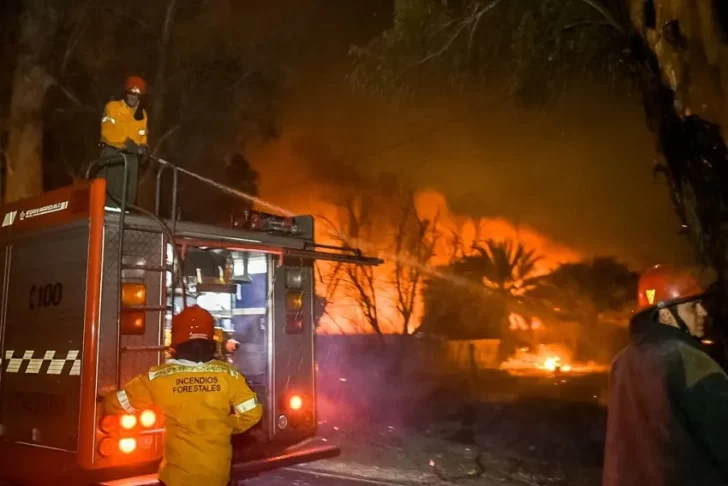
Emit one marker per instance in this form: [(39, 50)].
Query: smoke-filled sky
[(579, 173)]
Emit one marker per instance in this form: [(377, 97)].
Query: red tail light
[(128, 421), (294, 324), (127, 445), (295, 403), (148, 419), (124, 434)]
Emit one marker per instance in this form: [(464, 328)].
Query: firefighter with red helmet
[(197, 394), (124, 130), (668, 400)]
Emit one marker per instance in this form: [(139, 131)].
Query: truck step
[(147, 480)]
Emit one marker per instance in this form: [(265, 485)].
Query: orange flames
[(519, 323), (344, 315), (548, 359), (289, 181)]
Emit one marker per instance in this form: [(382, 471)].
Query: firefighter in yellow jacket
[(124, 130), (204, 402)]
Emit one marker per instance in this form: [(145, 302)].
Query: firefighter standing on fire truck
[(668, 400), (124, 130), (196, 393)]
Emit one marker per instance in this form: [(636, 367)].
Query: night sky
[(579, 173)]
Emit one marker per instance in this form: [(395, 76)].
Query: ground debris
[(531, 441)]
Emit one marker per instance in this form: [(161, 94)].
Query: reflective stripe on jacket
[(197, 400), (118, 124)]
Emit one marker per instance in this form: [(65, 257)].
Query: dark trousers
[(114, 175)]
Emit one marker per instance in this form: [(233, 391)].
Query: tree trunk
[(24, 177), (695, 168), (31, 83), (696, 196)]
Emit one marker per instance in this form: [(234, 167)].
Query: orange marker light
[(294, 301), (133, 294), (148, 418), (127, 445), (133, 323), (295, 402), (128, 421)]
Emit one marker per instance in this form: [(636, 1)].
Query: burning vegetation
[(464, 278), (550, 360)]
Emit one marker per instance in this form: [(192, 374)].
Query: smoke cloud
[(577, 173)]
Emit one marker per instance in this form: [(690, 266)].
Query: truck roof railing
[(283, 219), (288, 224)]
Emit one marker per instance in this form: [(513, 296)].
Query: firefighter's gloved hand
[(231, 346), (131, 146)]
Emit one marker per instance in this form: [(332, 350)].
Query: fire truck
[(87, 296)]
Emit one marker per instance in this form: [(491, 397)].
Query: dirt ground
[(547, 430)]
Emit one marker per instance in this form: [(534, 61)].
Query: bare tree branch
[(478, 16), (604, 12), (582, 23), (360, 280), (136, 20), (471, 22), (80, 27), (417, 239), (332, 281)]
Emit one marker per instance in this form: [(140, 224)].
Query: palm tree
[(505, 266), (500, 273)]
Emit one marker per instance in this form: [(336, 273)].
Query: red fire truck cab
[(86, 299)]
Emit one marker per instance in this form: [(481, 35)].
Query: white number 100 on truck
[(87, 296)]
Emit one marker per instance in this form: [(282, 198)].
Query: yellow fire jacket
[(196, 399), (118, 124)]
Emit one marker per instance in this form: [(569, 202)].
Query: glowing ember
[(547, 359), (552, 363)]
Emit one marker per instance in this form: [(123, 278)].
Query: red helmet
[(664, 285), (192, 323), (136, 85)]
